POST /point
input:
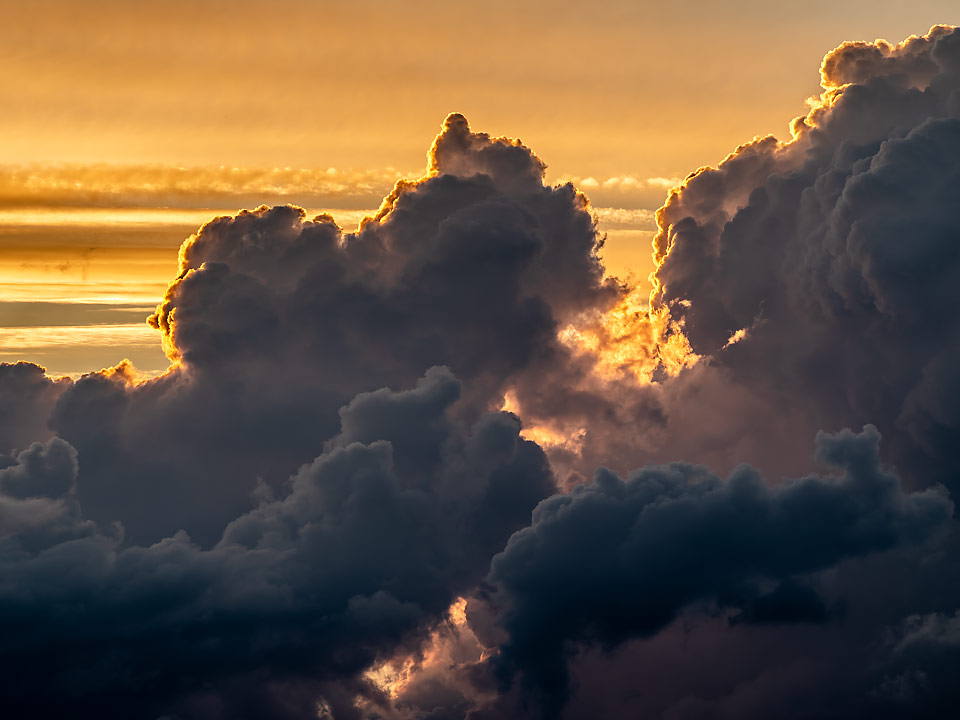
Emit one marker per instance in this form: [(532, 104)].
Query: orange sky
[(172, 111), (605, 88)]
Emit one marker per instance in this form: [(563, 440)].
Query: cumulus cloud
[(200, 555), (275, 321), (910, 62), (621, 558), (829, 261), (838, 250), (38, 506), (362, 547)]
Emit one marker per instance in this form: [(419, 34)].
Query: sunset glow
[(503, 361)]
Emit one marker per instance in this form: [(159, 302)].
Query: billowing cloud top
[(360, 490), (836, 252)]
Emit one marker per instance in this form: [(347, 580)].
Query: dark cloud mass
[(364, 546), (620, 558), (360, 490), (838, 253), (278, 321)]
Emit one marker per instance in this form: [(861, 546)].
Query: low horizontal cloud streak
[(153, 186), (15, 339)]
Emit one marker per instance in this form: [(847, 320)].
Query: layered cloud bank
[(367, 486)]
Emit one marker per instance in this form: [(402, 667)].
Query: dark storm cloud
[(203, 582), (278, 321), (817, 281), (362, 547), (621, 558)]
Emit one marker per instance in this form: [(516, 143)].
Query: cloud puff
[(38, 505), (276, 321), (910, 62), (27, 397)]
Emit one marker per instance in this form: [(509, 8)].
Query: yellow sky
[(125, 125)]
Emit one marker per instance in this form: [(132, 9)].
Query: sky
[(614, 89), (429, 361)]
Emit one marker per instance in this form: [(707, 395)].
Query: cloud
[(623, 218), (295, 344), (276, 321), (41, 471), (842, 242), (153, 186), (910, 62), (830, 259), (363, 547), (621, 558), (27, 397), (624, 191)]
